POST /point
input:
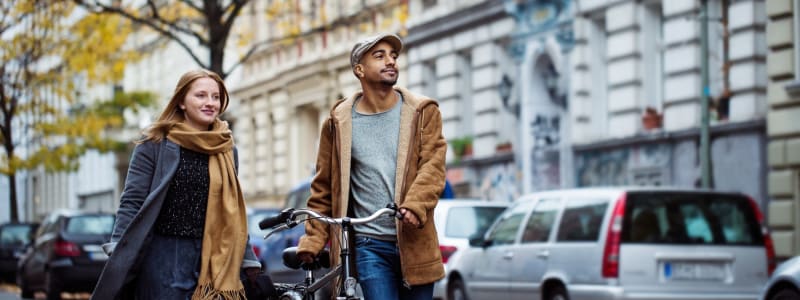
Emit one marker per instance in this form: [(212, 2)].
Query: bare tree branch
[(152, 25), (191, 4)]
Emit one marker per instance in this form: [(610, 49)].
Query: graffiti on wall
[(634, 165), (500, 183), (546, 170)]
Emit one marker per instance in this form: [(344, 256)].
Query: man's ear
[(360, 70)]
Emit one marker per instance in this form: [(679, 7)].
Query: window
[(427, 4), (686, 218), (464, 65), (541, 221), (597, 65), (15, 235), (429, 79), (582, 220), (506, 229), (653, 56), (90, 225), (464, 222)]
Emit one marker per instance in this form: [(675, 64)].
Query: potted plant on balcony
[(503, 147), (462, 147), (651, 119)]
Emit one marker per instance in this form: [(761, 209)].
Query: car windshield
[(15, 235), (257, 216), (91, 224), (463, 222), (690, 218)]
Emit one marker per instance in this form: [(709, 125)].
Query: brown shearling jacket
[(420, 173)]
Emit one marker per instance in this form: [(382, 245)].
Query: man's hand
[(409, 217)]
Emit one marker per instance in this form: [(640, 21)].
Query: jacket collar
[(341, 115)]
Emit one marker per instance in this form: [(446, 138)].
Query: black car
[(65, 255), (14, 237)]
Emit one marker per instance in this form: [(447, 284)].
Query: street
[(11, 292), (4, 295)]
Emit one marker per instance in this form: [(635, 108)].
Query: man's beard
[(389, 82)]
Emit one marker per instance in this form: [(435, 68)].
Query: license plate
[(694, 271)]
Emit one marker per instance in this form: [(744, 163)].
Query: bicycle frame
[(348, 289)]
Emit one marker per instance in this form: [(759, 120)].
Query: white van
[(619, 243)]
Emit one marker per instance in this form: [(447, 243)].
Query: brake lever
[(281, 227)]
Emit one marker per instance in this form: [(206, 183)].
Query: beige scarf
[(225, 234)]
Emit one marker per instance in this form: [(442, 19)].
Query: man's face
[(379, 64)]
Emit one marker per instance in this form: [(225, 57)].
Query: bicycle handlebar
[(287, 217)]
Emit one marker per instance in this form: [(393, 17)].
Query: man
[(382, 145)]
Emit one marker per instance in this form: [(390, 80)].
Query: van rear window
[(689, 218)]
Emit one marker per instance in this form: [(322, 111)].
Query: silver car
[(619, 244), (784, 283), (456, 221)]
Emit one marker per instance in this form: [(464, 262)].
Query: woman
[(181, 229)]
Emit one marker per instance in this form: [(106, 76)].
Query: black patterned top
[(183, 213)]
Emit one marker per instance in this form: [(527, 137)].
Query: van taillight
[(256, 251), (66, 248), (447, 251), (611, 251), (769, 246)]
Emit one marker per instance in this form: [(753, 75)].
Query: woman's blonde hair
[(173, 114)]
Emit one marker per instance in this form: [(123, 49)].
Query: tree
[(208, 22), (49, 52)]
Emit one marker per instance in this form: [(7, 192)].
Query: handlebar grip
[(270, 222), (397, 213)]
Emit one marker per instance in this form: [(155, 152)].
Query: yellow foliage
[(51, 51)]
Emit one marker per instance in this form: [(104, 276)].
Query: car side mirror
[(478, 241)]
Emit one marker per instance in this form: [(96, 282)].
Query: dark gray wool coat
[(151, 169)]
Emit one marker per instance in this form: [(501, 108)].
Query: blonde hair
[(172, 113)]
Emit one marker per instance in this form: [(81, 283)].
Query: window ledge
[(793, 88)]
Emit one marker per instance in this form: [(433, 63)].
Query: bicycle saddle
[(291, 260)]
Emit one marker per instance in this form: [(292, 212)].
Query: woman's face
[(202, 103)]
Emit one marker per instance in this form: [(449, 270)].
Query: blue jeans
[(170, 268), (379, 272)]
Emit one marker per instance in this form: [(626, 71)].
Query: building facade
[(290, 83), (456, 55), (636, 86), (783, 129), (94, 186)]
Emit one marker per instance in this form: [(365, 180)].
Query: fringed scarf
[(225, 235)]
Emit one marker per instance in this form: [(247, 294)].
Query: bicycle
[(346, 286)]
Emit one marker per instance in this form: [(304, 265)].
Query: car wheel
[(786, 294), (457, 291), (52, 286), (25, 291), (557, 292)]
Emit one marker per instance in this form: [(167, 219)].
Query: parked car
[(255, 215), (14, 237), (65, 255), (275, 243), (456, 221), (784, 284), (619, 243)]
